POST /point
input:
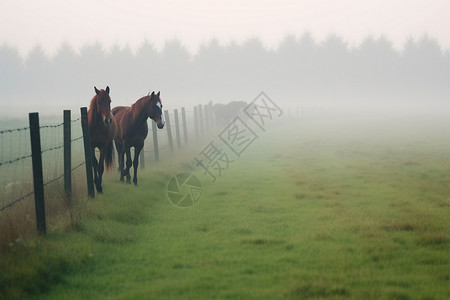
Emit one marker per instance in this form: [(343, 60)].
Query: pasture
[(338, 208)]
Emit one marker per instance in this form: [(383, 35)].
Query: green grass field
[(354, 208)]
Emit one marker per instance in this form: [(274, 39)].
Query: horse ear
[(158, 94), (96, 90), (107, 90), (153, 93)]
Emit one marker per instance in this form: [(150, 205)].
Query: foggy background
[(351, 53), (299, 71)]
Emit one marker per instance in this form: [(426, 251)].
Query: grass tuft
[(318, 289), (399, 226)]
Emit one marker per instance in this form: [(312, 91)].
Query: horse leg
[(126, 172), (120, 154), (95, 167), (137, 151), (100, 168)]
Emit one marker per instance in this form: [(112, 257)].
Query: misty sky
[(49, 23)]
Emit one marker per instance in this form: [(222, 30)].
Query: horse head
[(104, 105), (154, 110)]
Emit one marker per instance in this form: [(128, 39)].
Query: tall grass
[(19, 221)]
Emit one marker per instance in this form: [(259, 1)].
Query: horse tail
[(109, 159)]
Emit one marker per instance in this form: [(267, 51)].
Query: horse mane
[(92, 109), (141, 102)]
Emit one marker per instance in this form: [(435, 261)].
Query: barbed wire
[(16, 201), (51, 126), (31, 193), (52, 148), (54, 179), (43, 126), (76, 139), (11, 161), (14, 160), (13, 130), (76, 167)]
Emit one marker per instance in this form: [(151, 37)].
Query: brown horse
[(133, 129), (102, 130)]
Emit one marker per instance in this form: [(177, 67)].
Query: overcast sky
[(49, 23)]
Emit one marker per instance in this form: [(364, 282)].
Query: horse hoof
[(121, 179), (128, 181), (135, 183)]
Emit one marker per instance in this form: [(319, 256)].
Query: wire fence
[(18, 147), (183, 126), (188, 129), (15, 159), (17, 185)]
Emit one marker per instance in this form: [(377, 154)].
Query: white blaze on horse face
[(162, 115), (161, 121)]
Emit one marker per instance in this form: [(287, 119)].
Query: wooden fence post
[(155, 141), (177, 128), (38, 178), (68, 156), (169, 129), (211, 114), (87, 152), (142, 156), (196, 121), (183, 120), (200, 118), (206, 110)]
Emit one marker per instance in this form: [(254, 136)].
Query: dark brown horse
[(102, 130), (133, 129)]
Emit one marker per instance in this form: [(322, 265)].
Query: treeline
[(299, 70)]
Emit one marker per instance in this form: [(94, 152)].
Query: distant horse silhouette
[(224, 113), (102, 130), (133, 129)]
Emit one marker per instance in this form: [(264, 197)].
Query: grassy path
[(328, 210)]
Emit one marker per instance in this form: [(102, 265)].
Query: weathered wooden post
[(183, 120), (142, 158), (67, 156), (38, 178), (200, 118), (211, 114), (196, 121), (206, 110), (155, 141), (177, 128), (87, 152), (169, 129)]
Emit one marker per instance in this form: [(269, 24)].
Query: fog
[(300, 71)]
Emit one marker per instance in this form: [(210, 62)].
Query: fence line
[(195, 122), (37, 151)]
